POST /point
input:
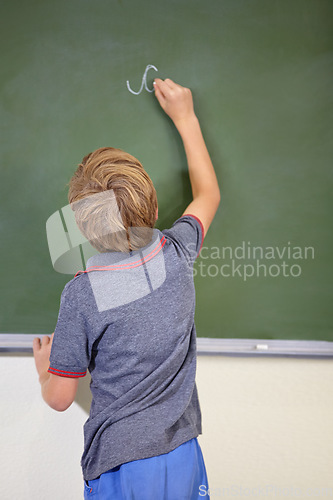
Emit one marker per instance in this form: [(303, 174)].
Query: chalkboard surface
[(261, 76)]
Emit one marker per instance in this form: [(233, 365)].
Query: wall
[(268, 430)]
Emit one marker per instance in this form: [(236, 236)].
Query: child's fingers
[(174, 99), (171, 84), (158, 85), (36, 344), (159, 93), (164, 86), (169, 88), (45, 341), (165, 91)]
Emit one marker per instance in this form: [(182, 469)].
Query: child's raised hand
[(175, 100)]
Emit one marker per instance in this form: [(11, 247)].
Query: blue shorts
[(177, 475)]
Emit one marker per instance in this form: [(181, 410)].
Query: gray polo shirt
[(129, 320)]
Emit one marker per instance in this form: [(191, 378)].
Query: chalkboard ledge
[(22, 343)]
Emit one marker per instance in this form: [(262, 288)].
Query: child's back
[(129, 319), (141, 354)]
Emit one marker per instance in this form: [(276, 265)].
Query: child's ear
[(156, 213)]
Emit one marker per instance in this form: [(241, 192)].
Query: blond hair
[(122, 213)]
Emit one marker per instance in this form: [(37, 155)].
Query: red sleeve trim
[(201, 227), (63, 373)]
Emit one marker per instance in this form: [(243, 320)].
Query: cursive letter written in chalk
[(144, 81)]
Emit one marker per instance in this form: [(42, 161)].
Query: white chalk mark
[(144, 81)]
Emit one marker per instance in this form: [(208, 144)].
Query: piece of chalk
[(262, 347)]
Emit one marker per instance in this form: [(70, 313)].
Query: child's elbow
[(59, 392), (56, 400), (218, 197), (59, 404), (215, 198), (62, 408)]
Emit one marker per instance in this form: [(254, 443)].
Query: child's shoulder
[(187, 221), (187, 232), (75, 286)]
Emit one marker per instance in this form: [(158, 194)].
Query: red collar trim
[(131, 265)]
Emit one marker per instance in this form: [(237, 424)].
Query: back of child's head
[(114, 201)]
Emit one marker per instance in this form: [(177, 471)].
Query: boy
[(129, 319)]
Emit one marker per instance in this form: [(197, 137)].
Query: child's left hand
[(42, 350)]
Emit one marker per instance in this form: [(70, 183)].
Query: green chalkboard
[(261, 76)]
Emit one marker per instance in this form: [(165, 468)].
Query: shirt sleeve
[(69, 352), (188, 234)]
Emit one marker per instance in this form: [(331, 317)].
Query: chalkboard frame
[(22, 343)]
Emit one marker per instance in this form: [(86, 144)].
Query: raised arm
[(177, 103)]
